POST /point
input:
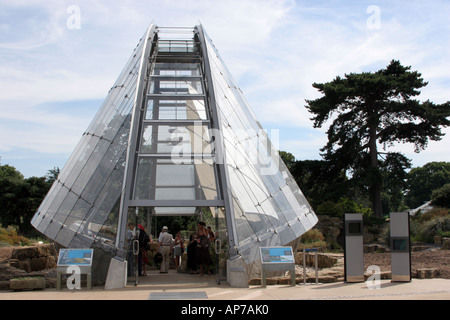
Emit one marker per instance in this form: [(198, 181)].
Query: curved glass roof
[(175, 133)]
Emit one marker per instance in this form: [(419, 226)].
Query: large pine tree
[(371, 109)]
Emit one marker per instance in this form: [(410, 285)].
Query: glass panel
[(166, 46), (188, 109), (61, 214), (175, 87), (91, 165), (176, 69), (176, 140), (176, 211), (269, 207), (53, 208), (74, 223), (163, 180)]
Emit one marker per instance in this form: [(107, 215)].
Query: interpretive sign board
[(277, 255), (75, 262), (80, 257), (277, 259)]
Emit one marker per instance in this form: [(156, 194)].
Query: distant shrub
[(435, 227), (9, 236), (441, 197), (312, 235), (344, 205), (432, 214)]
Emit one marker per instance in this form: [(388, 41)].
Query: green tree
[(371, 109), (12, 187), (394, 177), (288, 159), (20, 198), (319, 181), (441, 197), (52, 175), (423, 180)]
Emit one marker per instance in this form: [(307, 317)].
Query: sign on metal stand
[(74, 262), (277, 259)]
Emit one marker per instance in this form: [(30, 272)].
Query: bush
[(313, 235), (432, 214), (344, 205), (435, 227), (10, 237), (441, 197)]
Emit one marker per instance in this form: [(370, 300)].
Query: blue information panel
[(80, 257), (277, 255)]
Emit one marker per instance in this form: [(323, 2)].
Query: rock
[(323, 260), (420, 248), (445, 243), (27, 283), (331, 228), (437, 240), (24, 253), (375, 248), (34, 258), (4, 285), (427, 273)]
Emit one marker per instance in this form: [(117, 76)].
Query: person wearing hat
[(165, 248)]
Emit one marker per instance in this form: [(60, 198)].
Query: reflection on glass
[(171, 87), (175, 69), (161, 179), (166, 109), (179, 141)]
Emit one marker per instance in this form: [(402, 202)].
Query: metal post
[(304, 266), (317, 269)]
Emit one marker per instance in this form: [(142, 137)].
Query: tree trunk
[(375, 178)]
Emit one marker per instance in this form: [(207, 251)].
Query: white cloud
[(275, 49)]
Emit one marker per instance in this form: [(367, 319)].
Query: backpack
[(144, 240)]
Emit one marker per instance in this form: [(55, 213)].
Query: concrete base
[(117, 274), (237, 273)]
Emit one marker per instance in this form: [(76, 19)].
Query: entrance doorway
[(184, 220)]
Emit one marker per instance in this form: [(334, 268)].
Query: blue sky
[(57, 65)]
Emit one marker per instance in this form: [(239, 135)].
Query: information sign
[(277, 259), (75, 262), (277, 255), (80, 257)]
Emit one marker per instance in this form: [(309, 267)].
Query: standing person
[(202, 257), (211, 235), (178, 249), (165, 248), (192, 247), (144, 245), (131, 233)]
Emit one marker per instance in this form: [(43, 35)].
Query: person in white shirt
[(165, 248)]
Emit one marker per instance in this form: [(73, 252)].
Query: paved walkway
[(195, 287)]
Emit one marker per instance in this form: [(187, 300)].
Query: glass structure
[(175, 136)]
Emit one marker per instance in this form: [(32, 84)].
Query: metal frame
[(224, 180), (224, 198), (133, 140)]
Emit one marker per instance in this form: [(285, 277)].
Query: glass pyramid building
[(175, 136)]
